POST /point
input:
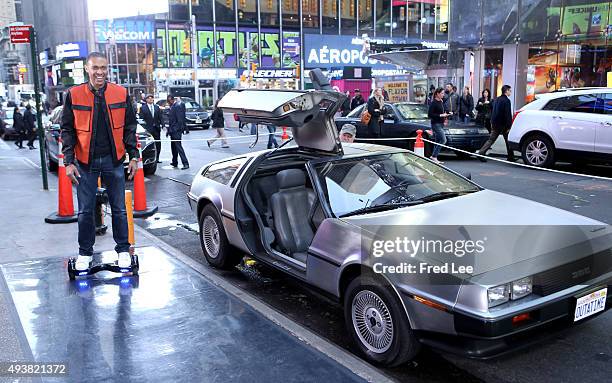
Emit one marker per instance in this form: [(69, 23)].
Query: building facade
[(536, 46)]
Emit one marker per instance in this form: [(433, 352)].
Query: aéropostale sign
[(328, 51)]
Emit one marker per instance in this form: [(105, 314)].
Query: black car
[(403, 119), (52, 134), (196, 116)]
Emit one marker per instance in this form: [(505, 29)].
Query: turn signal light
[(429, 303), (517, 320)]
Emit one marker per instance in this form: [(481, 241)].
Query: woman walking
[(376, 103), (218, 122), (484, 108), (437, 115), (466, 106)]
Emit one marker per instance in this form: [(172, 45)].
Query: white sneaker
[(125, 260), (82, 262)]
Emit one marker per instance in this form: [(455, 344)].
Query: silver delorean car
[(314, 211)]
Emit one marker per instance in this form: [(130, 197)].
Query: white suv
[(573, 125)]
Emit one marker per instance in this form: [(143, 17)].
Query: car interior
[(281, 197)]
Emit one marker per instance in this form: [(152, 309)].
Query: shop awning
[(413, 60)]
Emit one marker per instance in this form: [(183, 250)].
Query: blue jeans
[(440, 137), (467, 119), (114, 179), (271, 137), (253, 129)]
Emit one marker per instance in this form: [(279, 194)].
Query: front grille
[(573, 273)]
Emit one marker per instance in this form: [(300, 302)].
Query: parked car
[(312, 210), (573, 125), (9, 131), (52, 134), (196, 116), (403, 119)]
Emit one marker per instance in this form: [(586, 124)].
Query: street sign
[(20, 34)]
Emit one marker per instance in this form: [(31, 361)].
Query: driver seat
[(291, 207)]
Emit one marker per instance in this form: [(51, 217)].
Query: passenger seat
[(291, 207)]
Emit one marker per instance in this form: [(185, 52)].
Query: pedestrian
[(437, 114), (272, 136), (385, 94), (346, 105), (175, 132), (357, 99), (151, 114), (29, 121), (19, 127), (182, 114), (98, 128), (376, 103), (466, 105), (218, 122), (451, 100), (348, 133), (501, 122), (484, 110)]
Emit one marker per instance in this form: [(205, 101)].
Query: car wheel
[(377, 323), (150, 169), (538, 150), (213, 240), (51, 165)]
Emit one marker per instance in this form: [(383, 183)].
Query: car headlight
[(483, 131), (498, 295), (522, 287)]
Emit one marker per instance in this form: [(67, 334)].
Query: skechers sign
[(327, 51), (124, 31)]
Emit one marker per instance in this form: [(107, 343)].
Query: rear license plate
[(590, 304)]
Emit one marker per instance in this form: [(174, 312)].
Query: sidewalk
[(169, 323)]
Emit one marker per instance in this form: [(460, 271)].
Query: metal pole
[(194, 58), (300, 15), (41, 133)]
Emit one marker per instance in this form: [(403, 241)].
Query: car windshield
[(412, 111), (387, 181), (192, 105)]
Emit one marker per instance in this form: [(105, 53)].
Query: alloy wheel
[(211, 237), (372, 321), (537, 152)]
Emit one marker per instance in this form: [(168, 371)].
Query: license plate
[(198, 120), (590, 304)]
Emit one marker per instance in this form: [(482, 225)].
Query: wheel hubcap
[(537, 152), (210, 236), (372, 321)]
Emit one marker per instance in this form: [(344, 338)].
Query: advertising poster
[(585, 18), (397, 90), (419, 90), (247, 46), (547, 78), (530, 90)]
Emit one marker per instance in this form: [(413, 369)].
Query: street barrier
[(419, 145), (140, 194), (65, 210), (285, 136)]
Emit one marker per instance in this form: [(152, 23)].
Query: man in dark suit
[(175, 131), (183, 114), (29, 120), (501, 122), (151, 114)]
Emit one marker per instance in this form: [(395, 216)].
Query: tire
[(538, 150), (366, 297), (51, 165), (150, 169), (215, 246)]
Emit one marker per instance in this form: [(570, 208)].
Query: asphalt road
[(583, 353)]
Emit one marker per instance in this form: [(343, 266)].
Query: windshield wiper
[(444, 195), (376, 208)]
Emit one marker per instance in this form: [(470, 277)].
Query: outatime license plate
[(590, 304)]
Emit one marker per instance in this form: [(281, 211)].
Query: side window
[(355, 113), (584, 103), (223, 172), (604, 104)]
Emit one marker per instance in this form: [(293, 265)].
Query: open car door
[(309, 114)]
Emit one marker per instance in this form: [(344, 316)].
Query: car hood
[(309, 114), (515, 230)]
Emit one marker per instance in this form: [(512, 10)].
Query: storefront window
[(348, 21), (247, 12), (366, 16), (269, 13), (290, 13), (540, 20), (330, 16), (121, 53), (398, 24), (493, 70), (224, 11), (132, 53), (442, 17), (428, 21), (466, 22), (310, 15), (383, 16), (500, 18)]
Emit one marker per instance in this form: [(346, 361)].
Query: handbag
[(366, 117)]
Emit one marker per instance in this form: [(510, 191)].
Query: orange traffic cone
[(285, 136), (419, 145), (140, 195), (65, 210)]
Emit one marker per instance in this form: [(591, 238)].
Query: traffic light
[(187, 46)]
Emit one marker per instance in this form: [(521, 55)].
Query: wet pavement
[(166, 324)]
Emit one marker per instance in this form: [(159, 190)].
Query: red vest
[(82, 109)]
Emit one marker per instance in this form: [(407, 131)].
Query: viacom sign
[(328, 51), (124, 31)]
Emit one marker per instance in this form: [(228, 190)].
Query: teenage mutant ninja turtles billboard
[(231, 52)]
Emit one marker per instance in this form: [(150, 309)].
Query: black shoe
[(174, 165), (31, 147), (187, 132), (159, 162), (185, 167), (512, 159)]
